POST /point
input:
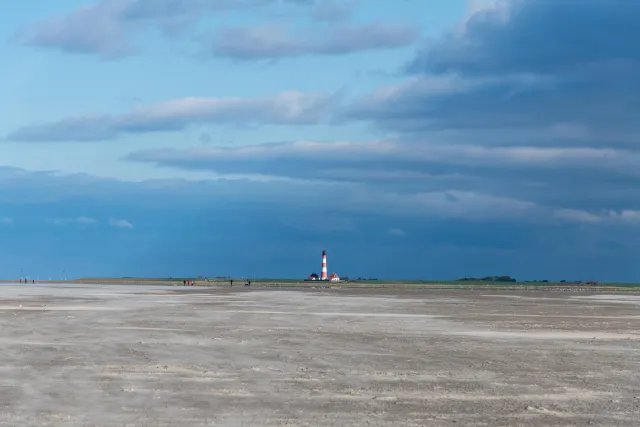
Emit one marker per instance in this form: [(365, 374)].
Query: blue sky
[(409, 139)]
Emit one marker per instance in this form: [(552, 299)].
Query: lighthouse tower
[(323, 275)]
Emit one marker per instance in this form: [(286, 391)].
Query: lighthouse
[(323, 275)]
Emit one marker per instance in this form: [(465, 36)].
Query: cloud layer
[(81, 221), (273, 41), (523, 65), (511, 140), (106, 28), (120, 223), (539, 177), (529, 100), (205, 227), (287, 108), (517, 106)]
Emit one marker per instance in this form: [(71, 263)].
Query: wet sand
[(82, 355)]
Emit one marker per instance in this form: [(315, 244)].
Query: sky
[(410, 139)]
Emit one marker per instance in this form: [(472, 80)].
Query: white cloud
[(444, 204), (397, 232), (478, 6), (320, 223), (333, 10), (624, 216), (353, 161), (285, 108), (120, 223), (91, 28), (273, 41), (81, 221), (105, 27), (576, 215)]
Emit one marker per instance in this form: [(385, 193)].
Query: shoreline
[(450, 286)]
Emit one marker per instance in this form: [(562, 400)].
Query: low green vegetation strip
[(404, 284)]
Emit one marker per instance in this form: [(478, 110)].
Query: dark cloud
[(538, 100), (523, 64), (537, 36), (514, 145), (181, 226), (529, 135), (599, 100), (540, 180)]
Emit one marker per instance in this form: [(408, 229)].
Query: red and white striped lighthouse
[(323, 275)]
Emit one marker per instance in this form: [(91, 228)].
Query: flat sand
[(111, 355)]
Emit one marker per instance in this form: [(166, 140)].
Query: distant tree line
[(511, 279), (568, 282)]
